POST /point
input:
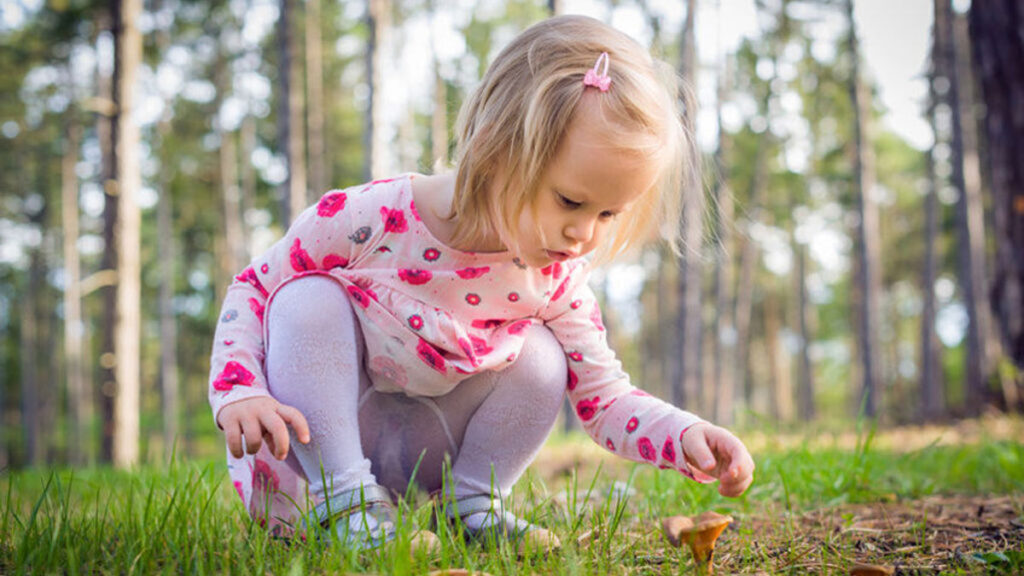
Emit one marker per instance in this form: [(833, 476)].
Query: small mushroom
[(700, 533)]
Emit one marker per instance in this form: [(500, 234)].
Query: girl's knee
[(542, 365), (308, 304)]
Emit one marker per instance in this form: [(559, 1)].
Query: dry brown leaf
[(870, 570)]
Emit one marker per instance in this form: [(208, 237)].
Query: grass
[(817, 506)]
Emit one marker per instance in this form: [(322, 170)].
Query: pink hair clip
[(602, 80)]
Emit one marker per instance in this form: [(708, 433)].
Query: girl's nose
[(581, 230)]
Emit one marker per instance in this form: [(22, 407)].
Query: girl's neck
[(433, 196)]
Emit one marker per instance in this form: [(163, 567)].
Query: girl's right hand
[(258, 419)]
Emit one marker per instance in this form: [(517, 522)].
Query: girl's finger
[(296, 420), (697, 450), (277, 432), (253, 434), (233, 433)]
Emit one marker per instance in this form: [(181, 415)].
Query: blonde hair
[(511, 126)]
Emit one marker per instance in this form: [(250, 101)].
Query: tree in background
[(997, 38)]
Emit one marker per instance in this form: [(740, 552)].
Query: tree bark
[(687, 374), (869, 270), (77, 400), (106, 130), (128, 57), (315, 96), (805, 382), (291, 115), (970, 227), (377, 21), (997, 34), (233, 257), (723, 342), (931, 389)]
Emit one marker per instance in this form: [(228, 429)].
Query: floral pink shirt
[(432, 316)]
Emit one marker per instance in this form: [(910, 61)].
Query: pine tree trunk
[(315, 95), (723, 342), (997, 34), (377, 21), (805, 382), (31, 417), (233, 256), (931, 388), (687, 375), (869, 270), (128, 57), (970, 227), (291, 121), (105, 130), (77, 400)]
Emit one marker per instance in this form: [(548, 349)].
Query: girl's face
[(587, 184)]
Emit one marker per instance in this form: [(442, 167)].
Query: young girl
[(423, 317)]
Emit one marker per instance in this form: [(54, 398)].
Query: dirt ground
[(947, 534)]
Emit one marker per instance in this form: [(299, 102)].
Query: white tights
[(491, 425)]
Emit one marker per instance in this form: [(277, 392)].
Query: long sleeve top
[(432, 315)]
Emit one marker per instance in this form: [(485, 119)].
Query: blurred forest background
[(149, 149)]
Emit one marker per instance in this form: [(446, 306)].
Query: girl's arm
[(317, 242), (625, 419)]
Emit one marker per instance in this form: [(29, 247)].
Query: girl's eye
[(568, 203), (606, 215)]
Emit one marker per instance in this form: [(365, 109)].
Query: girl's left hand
[(715, 453)]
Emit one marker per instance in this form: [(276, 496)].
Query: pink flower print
[(256, 308), (573, 380), (518, 327), (359, 295), (554, 270), (384, 250), (587, 408), (646, 448), (415, 277), (609, 444), (371, 294), (415, 321), (431, 254), (229, 342), (415, 212), (248, 276), (513, 297), (382, 181), (388, 369), (233, 374), (639, 392), (467, 349), (595, 316), (632, 425), (668, 451), (473, 299), (488, 324), (238, 488), (265, 268), (332, 261), (331, 204), (264, 478), (394, 220), (480, 347), (431, 356), (576, 356), (576, 304), (471, 272), (511, 358), (301, 262), (560, 290)]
